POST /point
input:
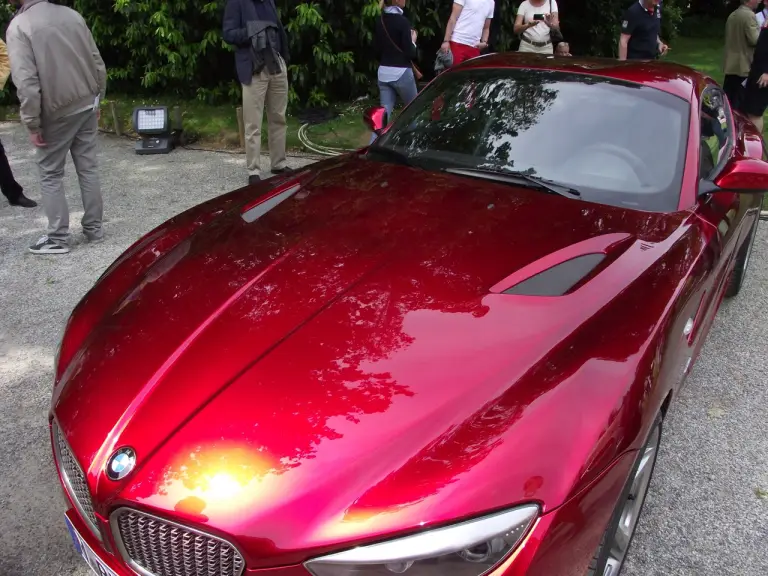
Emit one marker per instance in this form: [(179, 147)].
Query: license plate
[(90, 557)]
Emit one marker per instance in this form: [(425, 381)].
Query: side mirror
[(744, 175), (375, 118)]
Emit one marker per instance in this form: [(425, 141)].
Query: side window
[(716, 131)]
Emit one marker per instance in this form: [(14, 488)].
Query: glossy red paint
[(744, 175), (346, 369), (603, 244), (675, 79)]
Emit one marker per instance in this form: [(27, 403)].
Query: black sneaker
[(283, 170), (47, 246), (93, 239), (23, 201), (254, 179)]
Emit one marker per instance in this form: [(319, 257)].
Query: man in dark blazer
[(253, 27)]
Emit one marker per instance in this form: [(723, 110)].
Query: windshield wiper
[(391, 153), (516, 177)]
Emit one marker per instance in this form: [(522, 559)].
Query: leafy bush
[(712, 8), (702, 26), (175, 46), (592, 27)]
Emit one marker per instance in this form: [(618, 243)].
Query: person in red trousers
[(466, 33)]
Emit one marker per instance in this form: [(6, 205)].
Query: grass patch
[(706, 55), (703, 54), (215, 126)]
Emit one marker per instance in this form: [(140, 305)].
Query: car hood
[(340, 367)]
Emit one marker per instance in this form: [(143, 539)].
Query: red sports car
[(447, 354)]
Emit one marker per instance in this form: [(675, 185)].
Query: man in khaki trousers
[(261, 56)]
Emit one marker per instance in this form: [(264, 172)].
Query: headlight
[(470, 548)]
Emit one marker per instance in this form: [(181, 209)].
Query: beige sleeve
[(101, 68), (753, 31), (25, 77)]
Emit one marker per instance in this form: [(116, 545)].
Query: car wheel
[(742, 262), (613, 548)]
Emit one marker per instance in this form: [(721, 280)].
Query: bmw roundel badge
[(121, 463)]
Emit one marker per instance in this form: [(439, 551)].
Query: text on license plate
[(90, 557)]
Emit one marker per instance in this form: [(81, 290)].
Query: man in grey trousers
[(60, 78)]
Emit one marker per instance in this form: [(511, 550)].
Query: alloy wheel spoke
[(611, 567), (619, 544)]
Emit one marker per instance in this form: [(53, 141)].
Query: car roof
[(675, 79)]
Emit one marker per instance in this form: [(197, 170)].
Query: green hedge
[(702, 26), (162, 46)]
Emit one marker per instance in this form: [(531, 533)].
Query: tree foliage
[(161, 46)]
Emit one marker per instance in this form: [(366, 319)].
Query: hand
[(663, 48), (445, 47), (532, 23), (481, 45), (763, 80), (37, 140), (549, 20), (414, 36)]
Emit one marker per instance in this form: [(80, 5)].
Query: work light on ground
[(153, 124)]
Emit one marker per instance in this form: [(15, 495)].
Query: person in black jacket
[(395, 45), (755, 99), (261, 57), (10, 188)]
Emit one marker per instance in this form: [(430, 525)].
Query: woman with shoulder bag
[(395, 44), (538, 25)]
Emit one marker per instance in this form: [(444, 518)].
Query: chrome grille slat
[(157, 547), (75, 479)]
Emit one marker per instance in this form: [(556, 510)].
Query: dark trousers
[(732, 86), (10, 188)]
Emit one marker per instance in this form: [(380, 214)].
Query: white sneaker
[(47, 246)]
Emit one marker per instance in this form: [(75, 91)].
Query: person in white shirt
[(534, 23), (762, 16), (466, 33)]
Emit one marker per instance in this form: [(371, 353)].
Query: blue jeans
[(405, 87)]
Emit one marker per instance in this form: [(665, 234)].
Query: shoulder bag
[(555, 35), (416, 72)]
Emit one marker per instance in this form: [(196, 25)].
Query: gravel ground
[(704, 515)]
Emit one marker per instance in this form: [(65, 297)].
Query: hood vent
[(282, 191), (253, 213), (567, 269), (558, 280)]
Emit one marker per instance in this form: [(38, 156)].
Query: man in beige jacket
[(11, 189), (60, 78), (741, 33)]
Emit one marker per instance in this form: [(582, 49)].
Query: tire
[(736, 280), (612, 551)]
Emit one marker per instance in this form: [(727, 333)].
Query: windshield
[(616, 143)]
